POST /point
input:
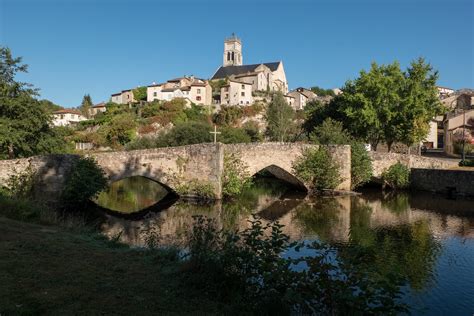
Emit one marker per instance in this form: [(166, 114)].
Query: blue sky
[(100, 47)]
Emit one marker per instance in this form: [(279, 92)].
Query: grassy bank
[(50, 270)]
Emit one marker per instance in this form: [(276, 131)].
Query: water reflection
[(425, 240), (130, 195)]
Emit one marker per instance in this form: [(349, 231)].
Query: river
[(427, 239)]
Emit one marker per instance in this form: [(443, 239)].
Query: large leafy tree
[(25, 127), (86, 105), (279, 118), (420, 102), (139, 94), (388, 105)]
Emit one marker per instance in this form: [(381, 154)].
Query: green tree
[(25, 123), (317, 168), (86, 105), (231, 135), (139, 94), (420, 102), (279, 118), (186, 134), (330, 132), (322, 92), (50, 106), (120, 130)]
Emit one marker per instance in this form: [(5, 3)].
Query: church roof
[(224, 72)]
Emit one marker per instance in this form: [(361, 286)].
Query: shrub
[(228, 115), (246, 270), (83, 183), (196, 188), (232, 135), (185, 134), (236, 177), (467, 163), (251, 128), (120, 130), (316, 168), (361, 165), (20, 185), (397, 176)]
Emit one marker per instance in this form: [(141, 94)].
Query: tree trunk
[(389, 146)]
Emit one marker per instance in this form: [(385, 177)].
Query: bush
[(247, 272), (83, 183), (236, 177), (467, 163), (120, 130), (251, 128), (397, 176), (316, 168), (185, 134), (231, 135), (195, 188), (228, 115), (361, 165)]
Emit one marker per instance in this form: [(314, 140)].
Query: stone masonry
[(173, 166)]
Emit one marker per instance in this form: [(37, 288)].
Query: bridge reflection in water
[(427, 240)]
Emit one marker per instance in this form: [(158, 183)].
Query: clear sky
[(100, 47)]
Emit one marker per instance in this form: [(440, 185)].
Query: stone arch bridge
[(174, 166)]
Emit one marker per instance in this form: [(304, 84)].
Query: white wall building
[(67, 117), (236, 93)]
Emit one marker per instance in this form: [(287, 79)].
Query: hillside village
[(238, 85)]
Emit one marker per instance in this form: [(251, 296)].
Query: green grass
[(50, 270)]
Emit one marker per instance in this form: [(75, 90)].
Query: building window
[(198, 91), (243, 86), (154, 94), (242, 94), (226, 95), (61, 116), (198, 98), (226, 89), (241, 102), (247, 102)]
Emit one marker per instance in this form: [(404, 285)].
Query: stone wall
[(170, 166), (278, 159), (175, 166), (382, 161), (50, 170), (456, 182)]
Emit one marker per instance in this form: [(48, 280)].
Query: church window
[(232, 56), (228, 55)]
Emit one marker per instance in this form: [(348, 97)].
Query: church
[(262, 77)]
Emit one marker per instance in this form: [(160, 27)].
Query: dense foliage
[(279, 118), (25, 123), (83, 183), (247, 271), (235, 178), (397, 176), (322, 92), (317, 169), (86, 105), (332, 132), (139, 94)]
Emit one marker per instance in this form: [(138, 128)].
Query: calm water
[(428, 240)]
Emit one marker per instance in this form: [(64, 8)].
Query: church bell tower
[(232, 51)]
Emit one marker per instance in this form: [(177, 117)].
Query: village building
[(96, 109), (262, 77), (123, 97), (67, 117), (194, 90), (236, 93), (301, 97), (444, 92)]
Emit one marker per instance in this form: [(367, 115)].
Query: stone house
[(236, 93), (262, 77), (123, 97), (67, 117), (98, 108), (197, 91), (302, 96)]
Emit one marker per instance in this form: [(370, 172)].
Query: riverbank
[(50, 270)]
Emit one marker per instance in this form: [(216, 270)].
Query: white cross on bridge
[(215, 133)]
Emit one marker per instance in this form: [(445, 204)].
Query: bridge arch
[(284, 175)]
